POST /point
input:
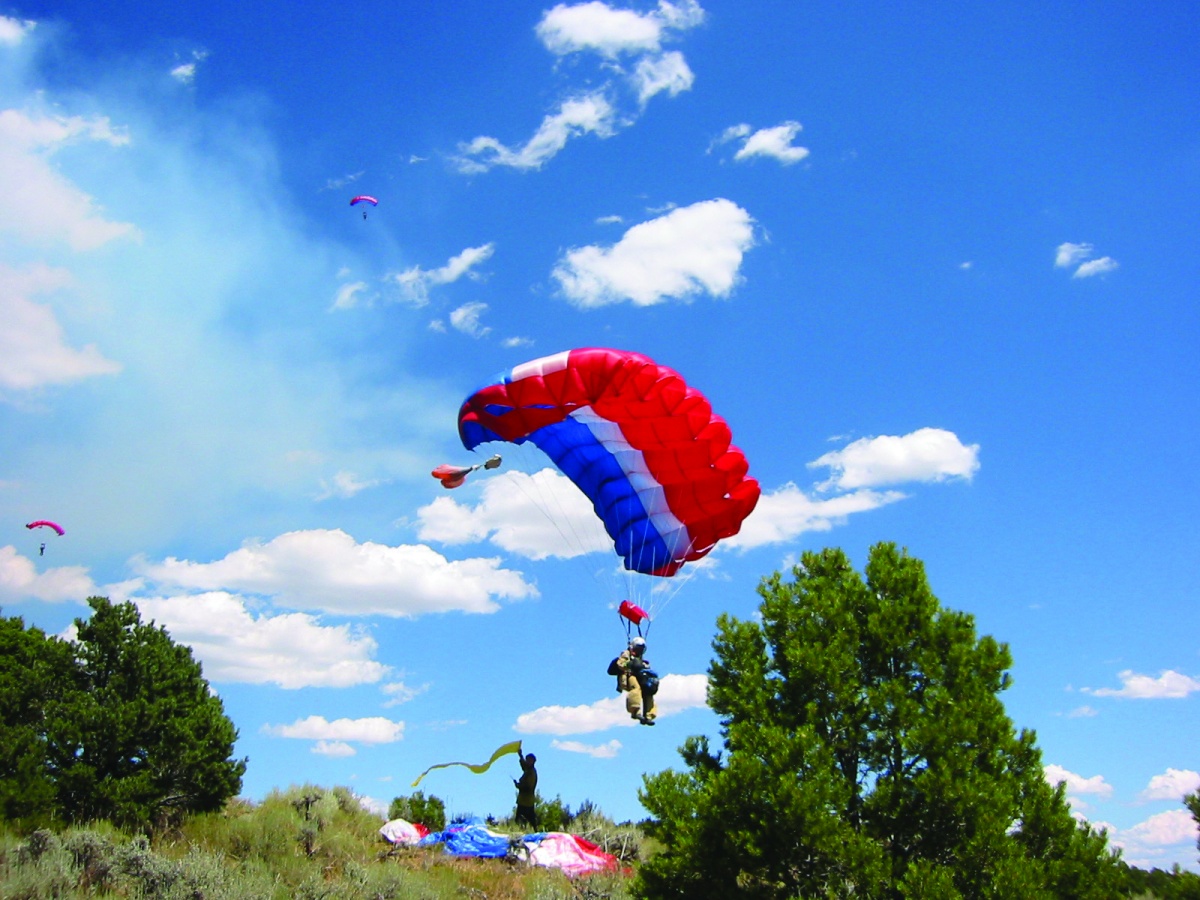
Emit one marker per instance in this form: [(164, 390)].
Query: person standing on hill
[(526, 787)]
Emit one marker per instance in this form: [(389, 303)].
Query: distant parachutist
[(364, 198)]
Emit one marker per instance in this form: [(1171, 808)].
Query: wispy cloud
[(345, 484), (13, 31), (1095, 267), (41, 205), (415, 282), (34, 350), (691, 250), (586, 114), (466, 319), (601, 751), (1070, 254), (185, 73), (775, 142), (629, 45)]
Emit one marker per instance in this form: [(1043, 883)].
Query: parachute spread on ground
[(43, 523), (647, 449)]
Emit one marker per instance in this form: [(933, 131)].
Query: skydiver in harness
[(635, 679)]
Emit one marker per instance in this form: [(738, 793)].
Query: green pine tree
[(866, 753)]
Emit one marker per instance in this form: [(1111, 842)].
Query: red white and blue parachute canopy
[(42, 523), (648, 451), (364, 198)]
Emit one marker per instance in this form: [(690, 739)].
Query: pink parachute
[(42, 523)]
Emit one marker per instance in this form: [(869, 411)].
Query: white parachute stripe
[(633, 464), (544, 366)]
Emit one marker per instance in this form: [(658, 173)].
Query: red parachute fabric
[(451, 476), (633, 612), (646, 448)]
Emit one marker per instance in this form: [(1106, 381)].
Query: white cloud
[(1095, 267), (20, 580), (587, 114), (415, 282), (1077, 784), (292, 650), (348, 295), (328, 570), (1146, 844), (535, 516), (513, 342), (601, 751), (373, 730), (41, 205), (598, 27), (773, 143), (344, 484), (1173, 784), (399, 693), (1170, 684), (676, 694), (690, 250), (1082, 712), (185, 73), (927, 454), (466, 319), (787, 512), (654, 74), (13, 31), (335, 749), (33, 348), (1069, 254)]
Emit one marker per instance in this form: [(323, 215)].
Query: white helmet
[(638, 642)]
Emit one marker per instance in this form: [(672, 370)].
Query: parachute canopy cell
[(364, 198), (649, 452), (42, 523)]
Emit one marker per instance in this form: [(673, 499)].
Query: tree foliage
[(31, 668), (119, 724), (428, 811), (865, 753)]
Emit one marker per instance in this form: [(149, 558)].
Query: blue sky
[(935, 268)]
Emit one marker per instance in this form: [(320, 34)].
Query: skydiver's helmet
[(638, 645)]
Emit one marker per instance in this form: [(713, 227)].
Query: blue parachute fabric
[(573, 447), (469, 838)]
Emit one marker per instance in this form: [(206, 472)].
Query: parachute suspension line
[(548, 501), (678, 581)]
